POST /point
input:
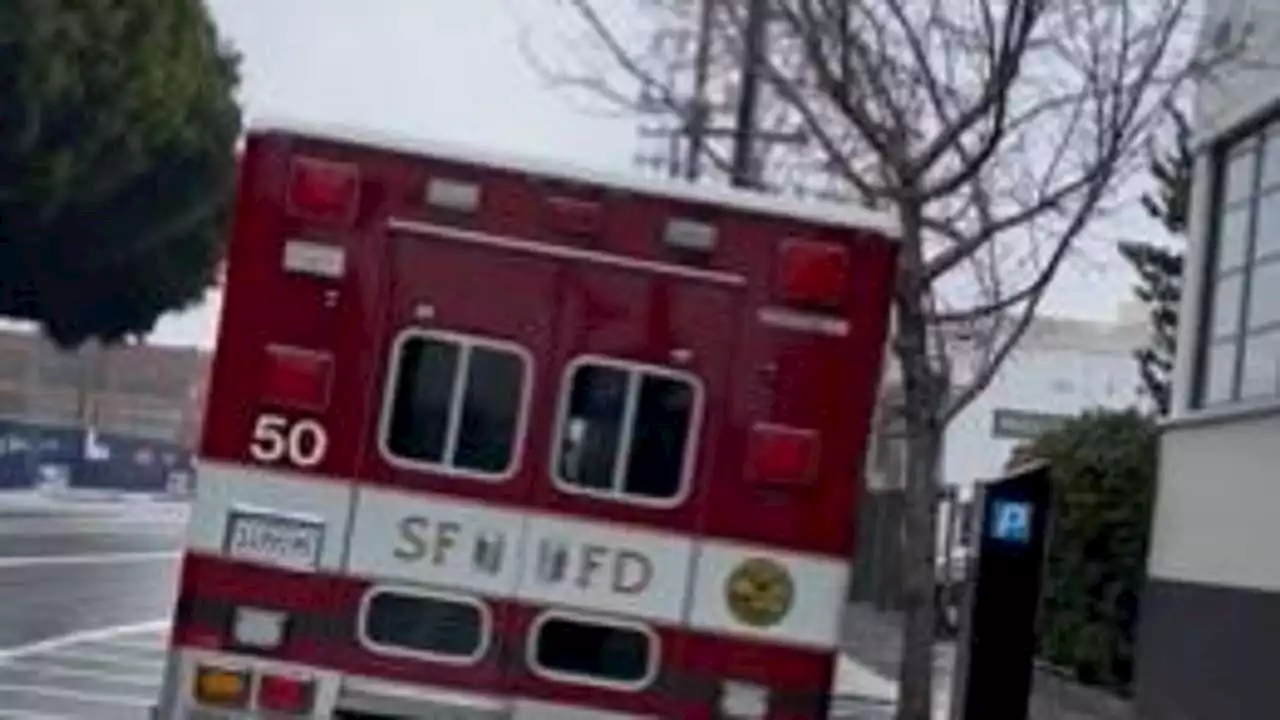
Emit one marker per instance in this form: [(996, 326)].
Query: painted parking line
[(30, 715), (42, 668), (10, 563), (73, 658), (82, 636), (76, 695), (99, 674), (138, 645), (116, 672)]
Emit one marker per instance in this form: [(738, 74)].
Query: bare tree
[(996, 130)]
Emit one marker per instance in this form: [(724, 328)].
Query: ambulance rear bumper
[(364, 698), (361, 698)]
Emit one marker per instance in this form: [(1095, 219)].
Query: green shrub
[(1104, 476)]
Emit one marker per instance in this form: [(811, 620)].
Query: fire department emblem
[(759, 592)]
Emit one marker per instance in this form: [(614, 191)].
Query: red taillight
[(324, 190), (813, 273), (292, 696), (782, 455), (297, 378)]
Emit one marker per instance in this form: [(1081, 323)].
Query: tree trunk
[(922, 388)]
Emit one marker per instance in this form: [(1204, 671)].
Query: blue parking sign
[(1010, 521)]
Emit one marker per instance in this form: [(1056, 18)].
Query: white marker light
[(453, 194), (259, 628), (688, 234), (743, 701), (314, 258)]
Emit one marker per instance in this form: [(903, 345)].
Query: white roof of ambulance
[(825, 213)]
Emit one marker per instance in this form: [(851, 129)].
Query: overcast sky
[(452, 70)]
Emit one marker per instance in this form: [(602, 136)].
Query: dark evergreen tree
[(117, 159), (1159, 266), (1103, 469)]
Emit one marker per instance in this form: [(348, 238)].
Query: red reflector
[(782, 455), (285, 694), (324, 190), (813, 273), (297, 378), (573, 216)]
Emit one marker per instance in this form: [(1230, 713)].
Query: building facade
[(145, 392), (1060, 368), (1210, 626)]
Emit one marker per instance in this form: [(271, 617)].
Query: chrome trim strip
[(560, 252), (785, 319)]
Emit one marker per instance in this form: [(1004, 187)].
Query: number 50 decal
[(302, 443)]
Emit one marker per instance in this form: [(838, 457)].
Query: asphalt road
[(112, 675), (86, 596), (66, 573), (87, 535)]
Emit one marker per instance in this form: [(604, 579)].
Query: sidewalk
[(873, 642), (869, 666), (865, 686), (72, 503), (34, 503), (873, 645)]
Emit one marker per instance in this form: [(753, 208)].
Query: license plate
[(292, 543)]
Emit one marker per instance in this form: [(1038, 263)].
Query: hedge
[(1104, 475)]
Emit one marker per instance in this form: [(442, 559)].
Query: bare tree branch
[(1019, 22), (997, 130)]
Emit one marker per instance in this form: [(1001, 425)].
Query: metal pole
[(84, 372), (743, 166), (99, 380), (951, 497), (673, 138), (673, 155), (699, 112)]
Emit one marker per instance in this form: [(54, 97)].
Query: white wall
[(1240, 91), (1219, 483), (1062, 369), (1215, 520), (1238, 94)]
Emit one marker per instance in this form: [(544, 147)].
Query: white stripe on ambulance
[(712, 585), (608, 568), (444, 542)]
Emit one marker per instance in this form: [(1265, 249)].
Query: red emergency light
[(297, 377), (286, 695), (323, 190), (782, 455), (812, 273)]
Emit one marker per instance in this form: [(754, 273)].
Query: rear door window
[(427, 625), (587, 651), (627, 431), (456, 404)]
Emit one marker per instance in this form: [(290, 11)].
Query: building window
[(1240, 332), (456, 404), (626, 432)]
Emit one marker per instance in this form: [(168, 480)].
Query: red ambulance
[(489, 438)]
